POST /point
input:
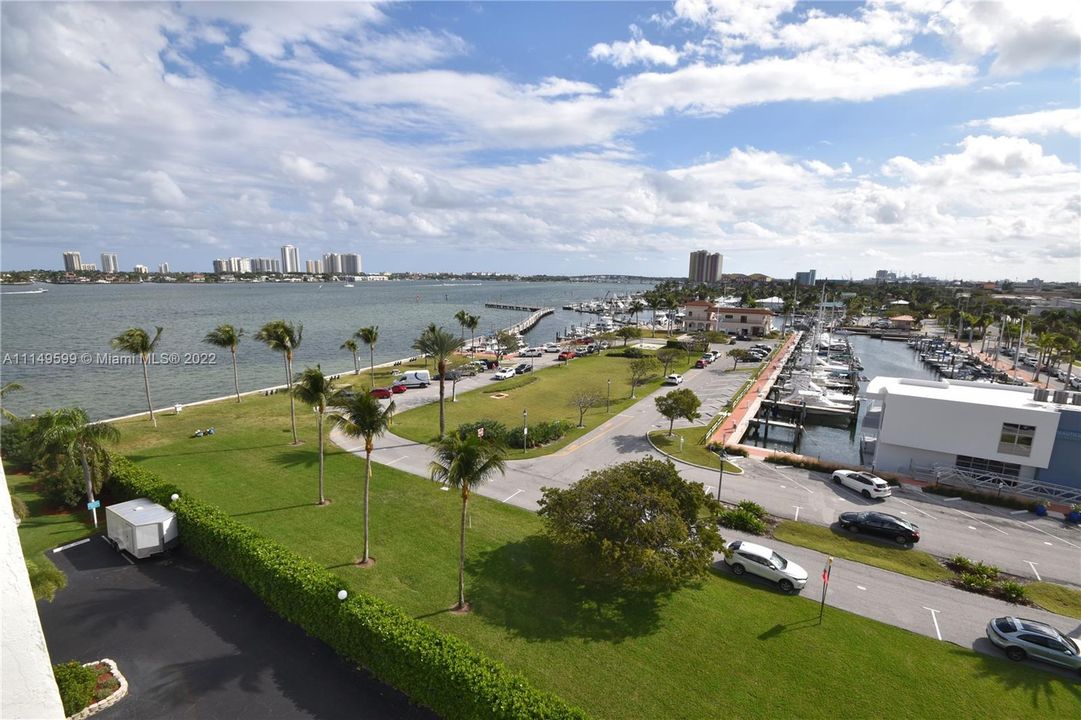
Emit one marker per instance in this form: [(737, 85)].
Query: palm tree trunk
[(461, 553), (89, 483), (356, 365), (319, 422), (367, 489), (371, 351), (236, 380), (292, 404), (146, 386), (472, 343), (442, 416)]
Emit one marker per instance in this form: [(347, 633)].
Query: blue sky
[(923, 136)]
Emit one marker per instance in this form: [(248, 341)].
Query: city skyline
[(561, 139)]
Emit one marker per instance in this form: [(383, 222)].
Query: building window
[(743, 318), (1016, 439), (992, 466)]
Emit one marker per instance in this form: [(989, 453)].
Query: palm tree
[(284, 337), (137, 342), (365, 417), (440, 344), (71, 433), (316, 390), (637, 306), (8, 387), (472, 322), (465, 462), (351, 346), (369, 336), (226, 336), (461, 316)]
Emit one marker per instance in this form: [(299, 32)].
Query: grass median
[(689, 450), (700, 652), (1056, 598), (906, 561)]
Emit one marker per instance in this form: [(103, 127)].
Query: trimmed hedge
[(76, 685), (540, 433), (981, 497), (433, 669)]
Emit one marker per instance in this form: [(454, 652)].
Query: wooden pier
[(523, 308)]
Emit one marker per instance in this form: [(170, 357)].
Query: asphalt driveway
[(193, 643)]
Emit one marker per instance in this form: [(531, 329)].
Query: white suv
[(864, 483), (746, 557)]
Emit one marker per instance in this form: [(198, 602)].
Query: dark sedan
[(523, 368), (875, 523)]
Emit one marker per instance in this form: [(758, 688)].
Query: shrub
[(799, 461), (76, 684), (15, 442), (434, 669), (18, 506), (630, 352), (729, 450), (961, 564), (45, 578), (976, 582), (740, 519), (988, 571), (541, 433), (980, 497), (493, 429), (753, 508), (1013, 592)]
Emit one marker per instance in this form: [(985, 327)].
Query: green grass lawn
[(1056, 598), (906, 561), (725, 648), (547, 398), (47, 527), (691, 450)]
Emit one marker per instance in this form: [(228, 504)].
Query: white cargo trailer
[(141, 527)]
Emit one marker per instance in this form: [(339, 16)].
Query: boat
[(349, 285), (35, 291)]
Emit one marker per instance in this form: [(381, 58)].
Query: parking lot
[(193, 643)]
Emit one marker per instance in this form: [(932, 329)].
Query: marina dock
[(523, 308)]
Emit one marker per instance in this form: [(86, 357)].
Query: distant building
[(745, 322), (73, 261), (90, 266), (806, 278), (163, 268), (705, 267), (313, 267), (141, 270), (266, 265), (221, 266), (351, 263), (771, 303), (290, 259), (699, 315), (977, 429), (109, 263), (332, 263)]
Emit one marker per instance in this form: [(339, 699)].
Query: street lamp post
[(608, 402), (720, 478), (525, 429)]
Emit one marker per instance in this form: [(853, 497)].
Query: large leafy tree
[(465, 461), (739, 355), (137, 342), (666, 356), (682, 403), (351, 346), (226, 336), (316, 390), (369, 336), (640, 370), (629, 332), (637, 525), (441, 345), (365, 417), (583, 399), (284, 337), (69, 432)]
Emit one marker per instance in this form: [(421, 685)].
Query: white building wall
[(27, 686), (933, 425)]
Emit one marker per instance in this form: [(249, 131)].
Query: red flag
[(826, 571)]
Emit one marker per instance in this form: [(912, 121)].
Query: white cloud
[(1046, 122), (301, 168), (557, 87), (163, 191), (236, 56), (634, 52)]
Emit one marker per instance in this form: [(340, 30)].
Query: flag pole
[(825, 585)]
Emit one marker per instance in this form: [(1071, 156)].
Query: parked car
[(707, 358), (1022, 638), (551, 348), (531, 352), (504, 374), (415, 378), (567, 355), (874, 523), (381, 393), (604, 345), (747, 557), (673, 379), (715, 354), (864, 483), (397, 388), (700, 363), (523, 368)]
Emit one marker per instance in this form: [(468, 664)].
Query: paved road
[(1018, 543), (194, 644)]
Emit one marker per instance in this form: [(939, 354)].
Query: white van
[(415, 379)]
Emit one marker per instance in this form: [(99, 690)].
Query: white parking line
[(1034, 570), (509, 498), (73, 544), (976, 519), (860, 587), (797, 512), (934, 619), (1018, 512), (395, 460), (950, 499), (792, 480), (913, 507), (1050, 535)]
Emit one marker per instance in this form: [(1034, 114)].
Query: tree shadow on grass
[(204, 449), (523, 587), (307, 457)]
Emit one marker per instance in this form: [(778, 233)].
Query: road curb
[(686, 462)]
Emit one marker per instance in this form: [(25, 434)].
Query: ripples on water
[(83, 318)]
